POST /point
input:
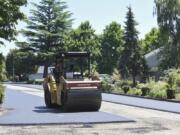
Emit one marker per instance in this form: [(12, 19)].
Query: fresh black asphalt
[(134, 101), (26, 109)]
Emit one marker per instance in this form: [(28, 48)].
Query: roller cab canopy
[(77, 62)]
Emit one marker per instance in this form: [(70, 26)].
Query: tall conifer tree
[(130, 62), (47, 28)]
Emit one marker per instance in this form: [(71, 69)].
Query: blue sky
[(101, 13)]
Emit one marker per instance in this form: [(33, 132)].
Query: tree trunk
[(174, 52), (45, 73), (134, 80)]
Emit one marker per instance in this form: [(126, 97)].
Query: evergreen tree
[(130, 62), (111, 45), (47, 28)]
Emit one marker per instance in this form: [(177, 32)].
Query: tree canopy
[(9, 15), (22, 63), (111, 46), (152, 41), (47, 28), (168, 18), (84, 39)]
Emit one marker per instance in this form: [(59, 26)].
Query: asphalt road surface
[(147, 122), (133, 101), (30, 109)]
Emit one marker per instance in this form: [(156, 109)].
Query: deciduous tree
[(22, 63), (111, 46), (9, 15), (168, 18), (152, 41), (84, 39)]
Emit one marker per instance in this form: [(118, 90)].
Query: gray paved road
[(145, 103), (133, 101), (148, 122), (30, 109)]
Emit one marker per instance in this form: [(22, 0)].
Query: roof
[(153, 58), (72, 54)]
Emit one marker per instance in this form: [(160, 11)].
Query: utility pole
[(13, 67)]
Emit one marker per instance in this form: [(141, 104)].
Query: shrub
[(145, 91), (158, 94), (116, 76), (140, 85), (158, 90), (151, 84), (106, 78), (117, 87), (95, 75), (144, 88), (125, 88), (172, 76), (126, 83), (1, 93), (178, 81), (118, 84), (135, 91), (106, 87), (171, 81)]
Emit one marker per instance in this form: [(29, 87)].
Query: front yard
[(167, 87)]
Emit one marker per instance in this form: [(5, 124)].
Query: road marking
[(26, 90)]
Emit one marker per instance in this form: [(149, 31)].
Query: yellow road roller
[(70, 85)]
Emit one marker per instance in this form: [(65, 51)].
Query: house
[(153, 59)]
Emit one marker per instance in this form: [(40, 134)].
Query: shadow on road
[(43, 109)]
